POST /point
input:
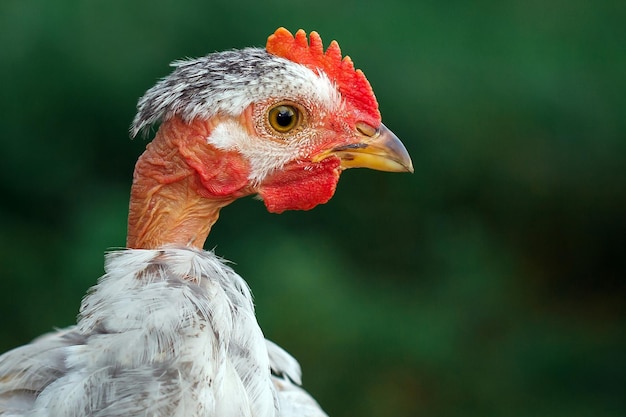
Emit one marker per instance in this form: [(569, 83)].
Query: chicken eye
[(283, 118)]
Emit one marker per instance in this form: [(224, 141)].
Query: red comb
[(352, 83)]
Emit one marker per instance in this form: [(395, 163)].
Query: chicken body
[(170, 330), (167, 332)]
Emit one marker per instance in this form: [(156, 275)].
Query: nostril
[(366, 129)]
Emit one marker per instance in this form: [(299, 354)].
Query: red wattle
[(301, 186)]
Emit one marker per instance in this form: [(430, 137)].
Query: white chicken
[(170, 330)]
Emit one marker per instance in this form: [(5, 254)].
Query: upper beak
[(380, 149)]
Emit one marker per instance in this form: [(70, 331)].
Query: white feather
[(167, 332)]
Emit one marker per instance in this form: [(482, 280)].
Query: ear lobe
[(222, 174)]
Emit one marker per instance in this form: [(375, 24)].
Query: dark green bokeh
[(490, 282)]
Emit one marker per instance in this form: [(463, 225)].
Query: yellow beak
[(380, 149)]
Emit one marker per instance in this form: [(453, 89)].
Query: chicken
[(170, 329)]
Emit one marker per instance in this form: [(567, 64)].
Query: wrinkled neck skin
[(180, 184)]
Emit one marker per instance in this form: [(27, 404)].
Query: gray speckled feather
[(225, 83)]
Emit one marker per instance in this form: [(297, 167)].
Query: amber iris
[(283, 118)]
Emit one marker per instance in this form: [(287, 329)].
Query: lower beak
[(381, 151)]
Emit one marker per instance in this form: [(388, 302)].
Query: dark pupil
[(284, 117)]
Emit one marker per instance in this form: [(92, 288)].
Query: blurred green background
[(489, 283)]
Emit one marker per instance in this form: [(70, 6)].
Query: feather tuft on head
[(352, 83)]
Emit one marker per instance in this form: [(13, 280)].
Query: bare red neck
[(170, 203)]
